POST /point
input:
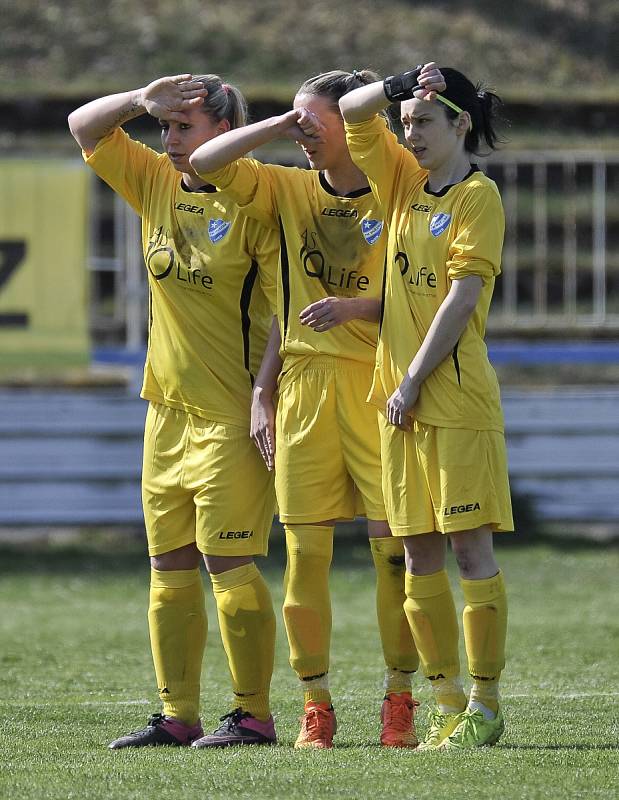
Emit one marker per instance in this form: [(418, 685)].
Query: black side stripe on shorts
[(248, 287), (382, 296), (285, 276), (454, 355)]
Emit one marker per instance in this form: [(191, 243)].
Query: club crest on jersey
[(217, 229), (371, 229), (439, 223)]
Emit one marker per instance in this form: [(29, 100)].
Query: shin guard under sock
[(247, 627), (178, 627), (307, 604)]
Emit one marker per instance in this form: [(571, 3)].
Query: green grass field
[(77, 672)]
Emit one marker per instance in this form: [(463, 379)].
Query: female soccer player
[(205, 489), (442, 441), (328, 451)]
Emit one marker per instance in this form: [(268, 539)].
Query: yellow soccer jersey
[(330, 246), (434, 239), (209, 317)]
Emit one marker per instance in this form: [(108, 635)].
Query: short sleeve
[(249, 183), (477, 245), (124, 165)]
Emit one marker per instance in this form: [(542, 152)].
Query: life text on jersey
[(163, 261), (335, 279)]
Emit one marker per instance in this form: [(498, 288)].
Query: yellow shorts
[(327, 455), (444, 479), (203, 482)]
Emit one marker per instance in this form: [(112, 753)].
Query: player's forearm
[(271, 366), (446, 329), (366, 309), (234, 144), (91, 122), (364, 102)]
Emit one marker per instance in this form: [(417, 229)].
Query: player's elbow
[(202, 162), (345, 106), (350, 108), (73, 123), (79, 131)]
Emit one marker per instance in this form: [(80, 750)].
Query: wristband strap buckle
[(403, 86)]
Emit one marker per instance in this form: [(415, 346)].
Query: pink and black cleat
[(239, 727), (160, 730)]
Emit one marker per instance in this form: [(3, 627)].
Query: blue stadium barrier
[(501, 352)]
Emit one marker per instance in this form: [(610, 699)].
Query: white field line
[(507, 695), (562, 695), (141, 702)]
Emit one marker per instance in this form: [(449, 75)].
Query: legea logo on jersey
[(217, 229), (371, 229), (439, 223)]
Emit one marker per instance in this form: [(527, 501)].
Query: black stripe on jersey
[(150, 309), (382, 296), (285, 276), (248, 287), (454, 355)]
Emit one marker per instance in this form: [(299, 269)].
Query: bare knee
[(217, 564), (378, 529), (474, 553), (425, 553), (187, 557), (326, 523)]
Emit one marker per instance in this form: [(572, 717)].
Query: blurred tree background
[(530, 49), (554, 62)]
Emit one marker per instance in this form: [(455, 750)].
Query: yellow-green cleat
[(441, 726), (474, 730)]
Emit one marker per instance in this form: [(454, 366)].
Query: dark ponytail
[(482, 105), (490, 104)]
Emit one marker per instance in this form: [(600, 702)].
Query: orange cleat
[(398, 719), (318, 726)]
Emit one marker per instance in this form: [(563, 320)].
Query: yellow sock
[(307, 605), (247, 627), (178, 627), (399, 651), (431, 614), (485, 628)]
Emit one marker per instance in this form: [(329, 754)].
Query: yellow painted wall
[(43, 277)]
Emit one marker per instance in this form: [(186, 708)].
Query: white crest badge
[(371, 229), (439, 223), (217, 229)]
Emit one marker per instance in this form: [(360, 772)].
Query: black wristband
[(401, 87)]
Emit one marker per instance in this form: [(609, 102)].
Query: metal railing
[(561, 253), (74, 458), (560, 258)]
